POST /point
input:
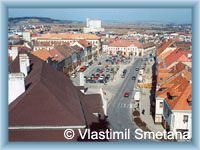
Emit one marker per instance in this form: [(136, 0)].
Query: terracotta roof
[(148, 45), (178, 55), (179, 67), (64, 50), (76, 48), (69, 36), (184, 45), (165, 45), (42, 54), (125, 43), (56, 55), (84, 43), (181, 102)]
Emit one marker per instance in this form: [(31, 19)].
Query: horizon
[(120, 15)]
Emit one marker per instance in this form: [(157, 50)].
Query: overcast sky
[(176, 15)]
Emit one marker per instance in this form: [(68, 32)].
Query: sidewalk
[(147, 117), (145, 102)]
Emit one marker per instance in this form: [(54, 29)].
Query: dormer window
[(161, 89), (189, 102), (169, 96), (185, 118)]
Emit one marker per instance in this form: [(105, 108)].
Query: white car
[(73, 75), (101, 78)]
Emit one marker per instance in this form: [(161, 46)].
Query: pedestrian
[(143, 111)]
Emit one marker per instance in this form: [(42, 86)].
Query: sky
[(166, 15)]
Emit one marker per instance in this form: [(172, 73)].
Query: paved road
[(120, 108)]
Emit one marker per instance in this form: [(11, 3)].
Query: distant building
[(26, 36), (65, 38), (124, 47), (93, 26)]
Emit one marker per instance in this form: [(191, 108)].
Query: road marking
[(131, 106)]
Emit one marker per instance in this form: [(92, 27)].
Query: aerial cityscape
[(100, 75)]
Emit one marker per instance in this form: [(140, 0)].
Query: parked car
[(136, 69), (73, 75), (87, 65), (99, 63), (107, 69), (133, 77), (97, 70), (101, 71), (125, 70), (90, 63), (126, 94), (123, 76), (83, 68)]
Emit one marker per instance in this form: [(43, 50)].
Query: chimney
[(24, 64), (14, 52), (81, 77), (16, 86)]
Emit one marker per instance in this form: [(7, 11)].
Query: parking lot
[(101, 70)]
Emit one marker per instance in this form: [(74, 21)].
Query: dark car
[(123, 76), (90, 63), (97, 75), (97, 70), (133, 77), (136, 69), (99, 63), (125, 70)]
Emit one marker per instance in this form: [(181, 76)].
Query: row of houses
[(62, 56), (173, 103), (70, 38), (66, 57), (127, 47)]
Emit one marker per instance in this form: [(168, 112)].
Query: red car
[(83, 68), (126, 94), (101, 71)]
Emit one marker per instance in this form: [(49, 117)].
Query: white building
[(26, 36), (16, 83), (173, 104), (124, 47), (16, 86), (13, 52), (93, 26), (177, 120), (64, 38)]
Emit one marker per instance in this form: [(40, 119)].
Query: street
[(120, 108)]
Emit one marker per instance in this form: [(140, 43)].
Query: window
[(161, 104), (185, 118)]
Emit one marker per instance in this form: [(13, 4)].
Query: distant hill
[(39, 20)]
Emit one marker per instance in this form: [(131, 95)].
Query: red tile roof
[(42, 54), (56, 55), (84, 43), (125, 43), (69, 36), (165, 45), (181, 102), (178, 55)]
